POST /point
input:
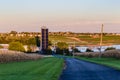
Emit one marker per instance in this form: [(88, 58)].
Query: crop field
[(13, 56), (86, 39), (106, 39), (60, 39), (43, 69)]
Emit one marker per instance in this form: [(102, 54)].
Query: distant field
[(60, 38), (43, 69), (106, 39), (87, 40)]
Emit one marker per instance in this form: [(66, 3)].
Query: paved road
[(82, 70)]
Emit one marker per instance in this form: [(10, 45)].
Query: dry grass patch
[(109, 53), (11, 56)]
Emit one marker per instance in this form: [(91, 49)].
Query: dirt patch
[(77, 39)]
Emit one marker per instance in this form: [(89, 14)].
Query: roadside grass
[(111, 62), (43, 69)]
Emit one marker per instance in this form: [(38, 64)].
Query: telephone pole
[(101, 41), (74, 49)]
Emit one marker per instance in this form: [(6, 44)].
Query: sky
[(60, 15)]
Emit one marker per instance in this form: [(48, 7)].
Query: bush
[(48, 51), (89, 50), (76, 50), (87, 54), (110, 48), (60, 51), (112, 54), (16, 46), (108, 54)]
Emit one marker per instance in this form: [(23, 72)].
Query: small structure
[(116, 46), (82, 49)]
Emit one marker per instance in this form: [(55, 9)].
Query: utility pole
[(101, 40), (74, 50)]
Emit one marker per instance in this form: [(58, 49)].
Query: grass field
[(106, 39), (87, 40), (60, 39), (43, 69), (112, 62)]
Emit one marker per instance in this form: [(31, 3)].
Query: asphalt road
[(82, 70)]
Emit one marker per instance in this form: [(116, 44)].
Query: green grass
[(111, 62), (44, 69)]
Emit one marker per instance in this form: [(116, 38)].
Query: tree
[(32, 43), (89, 50), (13, 32), (37, 41), (110, 48), (16, 46), (62, 47)]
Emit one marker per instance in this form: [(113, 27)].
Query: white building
[(116, 46), (82, 49)]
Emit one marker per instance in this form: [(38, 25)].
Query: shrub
[(89, 50), (48, 51), (88, 54), (76, 50), (112, 54), (108, 54), (110, 48)]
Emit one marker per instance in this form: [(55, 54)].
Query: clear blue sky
[(60, 15)]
